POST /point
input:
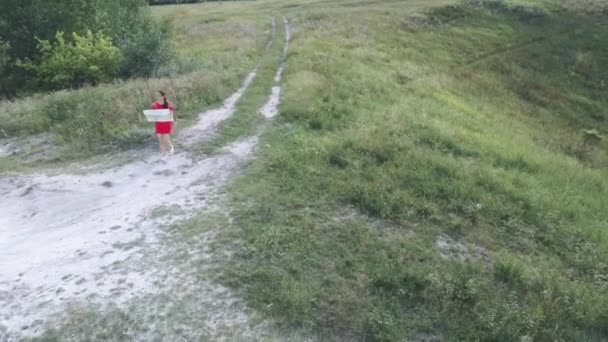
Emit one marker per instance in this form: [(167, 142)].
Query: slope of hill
[(435, 176)]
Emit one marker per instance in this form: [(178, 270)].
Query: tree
[(5, 61), (4, 57), (144, 42), (87, 59)]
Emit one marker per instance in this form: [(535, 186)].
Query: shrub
[(146, 48), (90, 58), (4, 57), (509, 271), (5, 66), (143, 41)]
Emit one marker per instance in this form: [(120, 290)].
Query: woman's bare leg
[(166, 143), (169, 145), (161, 143)]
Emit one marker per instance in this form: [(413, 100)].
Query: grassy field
[(435, 174), (438, 170)]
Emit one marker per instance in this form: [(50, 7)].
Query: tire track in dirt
[(209, 120), (270, 108), (95, 238)]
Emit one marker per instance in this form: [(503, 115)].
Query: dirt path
[(97, 239), (270, 108)]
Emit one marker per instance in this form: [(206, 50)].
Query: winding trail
[(97, 239)]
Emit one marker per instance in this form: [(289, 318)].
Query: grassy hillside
[(436, 174)]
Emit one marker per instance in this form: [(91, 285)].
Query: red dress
[(163, 127)]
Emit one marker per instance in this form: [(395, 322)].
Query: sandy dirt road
[(96, 239)]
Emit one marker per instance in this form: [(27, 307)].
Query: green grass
[(397, 127)]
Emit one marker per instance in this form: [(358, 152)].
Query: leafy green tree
[(145, 43), (22, 21), (90, 58), (4, 57), (6, 65)]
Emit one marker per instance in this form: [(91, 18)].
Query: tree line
[(173, 2), (49, 45)]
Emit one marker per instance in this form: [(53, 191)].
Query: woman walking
[(164, 128)]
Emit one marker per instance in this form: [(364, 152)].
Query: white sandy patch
[(60, 236), (450, 248), (270, 109)]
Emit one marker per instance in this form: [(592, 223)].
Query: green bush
[(5, 66), (4, 58), (90, 58), (146, 48), (143, 41), (509, 271)]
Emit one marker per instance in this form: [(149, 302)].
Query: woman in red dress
[(163, 129)]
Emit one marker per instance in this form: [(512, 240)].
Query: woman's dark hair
[(165, 102)]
